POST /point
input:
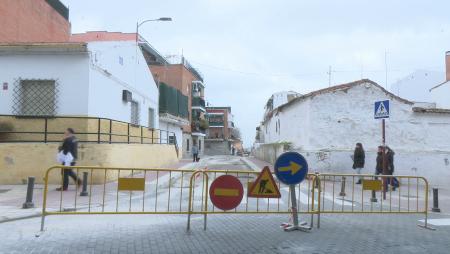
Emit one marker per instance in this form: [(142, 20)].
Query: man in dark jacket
[(390, 168), (70, 145), (379, 166), (359, 159)]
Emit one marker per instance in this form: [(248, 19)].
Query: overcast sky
[(249, 49)]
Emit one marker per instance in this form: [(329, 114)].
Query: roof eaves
[(431, 110), (441, 84)]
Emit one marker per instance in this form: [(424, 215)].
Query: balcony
[(172, 101), (198, 103), (199, 127)]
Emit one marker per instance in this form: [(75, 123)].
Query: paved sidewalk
[(13, 196), (386, 234)]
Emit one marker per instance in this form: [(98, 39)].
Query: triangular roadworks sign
[(264, 186)]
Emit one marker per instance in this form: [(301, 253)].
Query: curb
[(250, 164), (20, 218)]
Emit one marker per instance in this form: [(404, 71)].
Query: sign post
[(382, 112), (291, 168)]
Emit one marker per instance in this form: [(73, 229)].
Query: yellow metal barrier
[(371, 194), (162, 191), (177, 191)]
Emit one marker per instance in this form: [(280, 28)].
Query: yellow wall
[(80, 125), (18, 161)]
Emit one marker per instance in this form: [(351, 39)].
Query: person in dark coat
[(70, 145), (379, 166), (359, 159), (390, 160), (390, 168)]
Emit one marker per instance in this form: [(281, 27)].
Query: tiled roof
[(431, 110), (343, 87), (44, 47), (102, 36)]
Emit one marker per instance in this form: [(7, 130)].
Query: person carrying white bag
[(67, 156)]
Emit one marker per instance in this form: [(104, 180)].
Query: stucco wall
[(171, 127), (326, 127), (441, 95), (217, 147), (117, 66), (70, 71), (31, 21), (18, 161)]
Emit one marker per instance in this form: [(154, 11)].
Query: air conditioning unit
[(127, 96)]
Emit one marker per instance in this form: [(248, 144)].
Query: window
[(151, 118), (35, 98), (279, 126), (199, 145), (134, 112), (187, 145)]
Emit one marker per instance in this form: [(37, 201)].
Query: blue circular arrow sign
[(291, 168)]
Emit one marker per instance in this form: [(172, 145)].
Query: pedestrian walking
[(390, 168), (68, 154), (359, 159), (379, 165), (195, 152)]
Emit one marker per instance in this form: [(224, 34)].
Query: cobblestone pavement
[(225, 234)]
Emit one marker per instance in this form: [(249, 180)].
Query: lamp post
[(148, 20)]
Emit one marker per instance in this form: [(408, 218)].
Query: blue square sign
[(381, 109)]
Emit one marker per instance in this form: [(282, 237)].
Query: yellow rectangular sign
[(226, 192), (131, 184), (375, 185)]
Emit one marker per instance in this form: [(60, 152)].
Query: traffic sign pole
[(385, 185), (296, 225), (291, 168)]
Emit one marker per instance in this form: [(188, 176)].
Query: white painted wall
[(281, 98), (441, 95), (70, 70), (327, 126), (108, 78), (415, 87), (171, 127)]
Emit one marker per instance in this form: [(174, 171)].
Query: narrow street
[(226, 233)]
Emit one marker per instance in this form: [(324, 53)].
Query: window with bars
[(35, 97), (134, 113)]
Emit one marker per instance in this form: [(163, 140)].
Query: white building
[(326, 124), (416, 86), (441, 95), (78, 79)]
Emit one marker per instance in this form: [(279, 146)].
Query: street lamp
[(148, 20)]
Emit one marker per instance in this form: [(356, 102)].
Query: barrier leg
[(42, 222)]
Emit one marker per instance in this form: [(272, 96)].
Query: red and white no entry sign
[(226, 192)]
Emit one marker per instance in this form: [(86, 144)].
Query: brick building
[(34, 21), (220, 139), (179, 74)]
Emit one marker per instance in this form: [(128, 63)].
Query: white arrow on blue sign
[(381, 109)]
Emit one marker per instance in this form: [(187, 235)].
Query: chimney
[(447, 66)]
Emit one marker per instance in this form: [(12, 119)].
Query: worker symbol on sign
[(264, 186)]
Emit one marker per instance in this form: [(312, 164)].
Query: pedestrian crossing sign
[(264, 186), (381, 109)]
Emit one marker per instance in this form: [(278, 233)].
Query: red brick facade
[(31, 21), (177, 76)]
